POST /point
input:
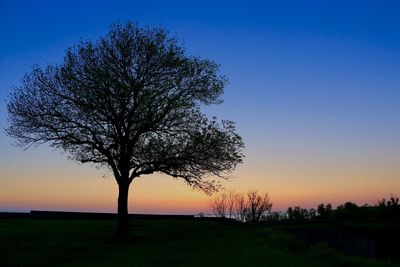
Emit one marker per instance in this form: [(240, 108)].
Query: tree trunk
[(123, 222)]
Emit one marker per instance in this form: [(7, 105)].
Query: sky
[(314, 89)]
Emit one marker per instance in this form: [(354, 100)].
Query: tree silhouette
[(129, 101), (257, 205)]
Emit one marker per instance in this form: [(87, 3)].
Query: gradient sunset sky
[(314, 88)]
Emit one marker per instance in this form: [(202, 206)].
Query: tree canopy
[(130, 101)]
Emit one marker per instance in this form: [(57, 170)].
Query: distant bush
[(347, 210), (300, 214), (275, 216), (324, 211)]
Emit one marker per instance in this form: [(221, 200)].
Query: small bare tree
[(236, 206), (240, 207), (218, 205), (257, 205), (231, 197)]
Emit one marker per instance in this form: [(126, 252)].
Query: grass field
[(158, 242)]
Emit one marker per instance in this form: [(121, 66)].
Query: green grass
[(35, 242)]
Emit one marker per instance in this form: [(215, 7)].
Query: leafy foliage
[(131, 102)]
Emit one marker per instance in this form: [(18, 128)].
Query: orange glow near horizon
[(80, 188)]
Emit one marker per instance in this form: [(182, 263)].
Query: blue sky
[(314, 85)]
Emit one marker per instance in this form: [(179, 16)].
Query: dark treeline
[(382, 210), (366, 231), (243, 207)]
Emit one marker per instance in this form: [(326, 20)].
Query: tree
[(257, 205), (129, 101), (225, 205), (231, 201), (240, 207), (218, 205), (324, 211), (237, 206)]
